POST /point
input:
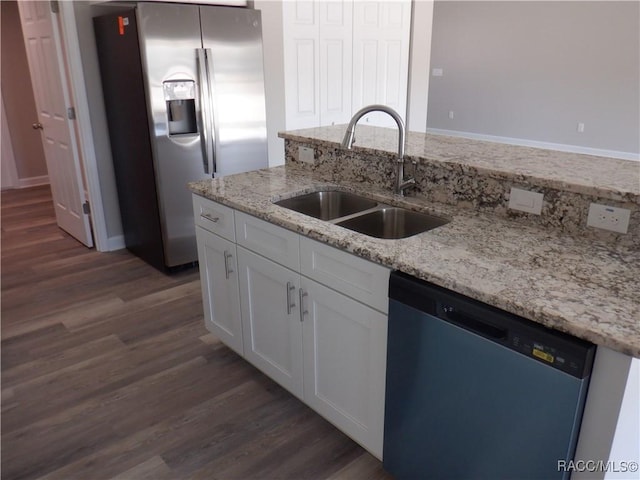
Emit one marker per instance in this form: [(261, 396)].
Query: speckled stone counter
[(479, 175), (585, 287)]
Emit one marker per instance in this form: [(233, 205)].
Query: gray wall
[(534, 70)]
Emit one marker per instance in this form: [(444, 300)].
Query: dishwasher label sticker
[(547, 357)]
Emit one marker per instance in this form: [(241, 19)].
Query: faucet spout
[(401, 183)]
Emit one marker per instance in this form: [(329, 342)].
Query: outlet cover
[(525, 201), (608, 218), (306, 154)]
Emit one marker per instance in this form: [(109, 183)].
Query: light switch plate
[(525, 201), (306, 154)]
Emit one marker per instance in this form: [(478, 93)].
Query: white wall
[(419, 62), (273, 51), (626, 442), (610, 428)]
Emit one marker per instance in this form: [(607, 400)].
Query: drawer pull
[(227, 269), (290, 304), (210, 217), (303, 311)]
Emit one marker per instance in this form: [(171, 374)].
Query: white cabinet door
[(345, 344), (271, 319), (220, 291)]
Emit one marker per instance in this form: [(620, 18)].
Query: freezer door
[(169, 42), (233, 39)]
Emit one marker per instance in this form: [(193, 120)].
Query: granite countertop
[(587, 288), (587, 174)]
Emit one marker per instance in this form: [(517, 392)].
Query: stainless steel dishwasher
[(474, 392)]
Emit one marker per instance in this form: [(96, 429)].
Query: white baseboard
[(115, 243), (535, 144), (33, 181)]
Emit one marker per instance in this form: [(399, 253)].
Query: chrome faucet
[(401, 183)]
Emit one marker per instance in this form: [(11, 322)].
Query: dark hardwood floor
[(108, 372)]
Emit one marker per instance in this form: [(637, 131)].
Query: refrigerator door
[(169, 41), (232, 38)]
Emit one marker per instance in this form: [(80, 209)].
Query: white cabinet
[(313, 317), (271, 319), (273, 242), (220, 293), (215, 234), (364, 281), (345, 345)]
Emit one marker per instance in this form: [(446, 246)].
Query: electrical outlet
[(609, 218), (306, 154)]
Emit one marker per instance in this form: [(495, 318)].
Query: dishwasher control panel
[(545, 345)]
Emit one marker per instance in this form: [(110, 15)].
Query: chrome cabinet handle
[(37, 126), (210, 217), (227, 269), (303, 311), (290, 304)]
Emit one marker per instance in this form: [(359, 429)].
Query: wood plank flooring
[(108, 372)]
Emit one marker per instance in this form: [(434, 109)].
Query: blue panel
[(461, 406)]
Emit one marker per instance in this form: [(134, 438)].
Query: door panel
[(220, 293), (344, 363), (234, 37), (336, 53), (381, 35), (302, 68), (44, 55), (272, 332), (169, 36)]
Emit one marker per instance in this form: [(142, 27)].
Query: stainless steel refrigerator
[(184, 95)]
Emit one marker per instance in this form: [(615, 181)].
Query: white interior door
[(301, 30), (335, 55), (51, 94), (381, 36)]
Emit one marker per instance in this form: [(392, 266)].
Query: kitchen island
[(550, 268), (570, 281)]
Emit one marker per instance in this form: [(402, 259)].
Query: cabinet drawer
[(214, 217), (276, 243), (360, 279)]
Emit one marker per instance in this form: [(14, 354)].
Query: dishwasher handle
[(473, 324)]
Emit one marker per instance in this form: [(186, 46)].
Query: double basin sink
[(362, 215)]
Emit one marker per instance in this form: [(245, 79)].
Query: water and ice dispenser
[(180, 96)]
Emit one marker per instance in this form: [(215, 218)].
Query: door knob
[(36, 126)]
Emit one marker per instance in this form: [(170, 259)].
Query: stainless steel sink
[(392, 223), (328, 205)]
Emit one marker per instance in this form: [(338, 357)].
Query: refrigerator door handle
[(206, 121), (211, 110)]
